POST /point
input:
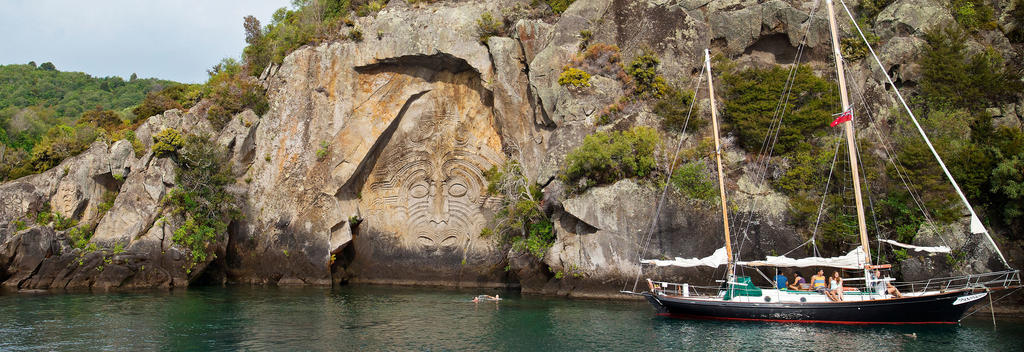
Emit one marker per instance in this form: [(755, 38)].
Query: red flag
[(843, 117)]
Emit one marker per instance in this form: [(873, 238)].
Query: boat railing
[(984, 281), (664, 288), (994, 280)]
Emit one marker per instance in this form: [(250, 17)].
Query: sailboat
[(936, 301)]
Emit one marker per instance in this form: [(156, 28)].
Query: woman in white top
[(836, 286)]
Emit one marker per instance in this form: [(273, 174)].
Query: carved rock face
[(427, 187)]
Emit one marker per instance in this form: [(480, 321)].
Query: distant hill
[(35, 98)]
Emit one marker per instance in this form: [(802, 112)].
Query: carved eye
[(419, 190), (457, 190), (449, 241), (425, 241)]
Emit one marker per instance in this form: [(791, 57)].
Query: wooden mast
[(721, 175), (850, 138)]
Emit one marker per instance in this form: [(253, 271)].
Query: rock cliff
[(369, 166)]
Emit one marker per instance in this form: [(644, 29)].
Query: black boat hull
[(930, 309)]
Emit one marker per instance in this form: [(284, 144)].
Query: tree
[(105, 119), (133, 77), (750, 101), (1008, 181), (32, 63), (253, 31), (48, 66)]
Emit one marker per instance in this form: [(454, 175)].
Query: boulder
[(911, 17), (137, 206)]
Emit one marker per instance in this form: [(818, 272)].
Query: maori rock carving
[(428, 187)]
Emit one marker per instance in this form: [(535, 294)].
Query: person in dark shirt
[(797, 281)]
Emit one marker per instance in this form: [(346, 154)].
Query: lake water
[(402, 318)]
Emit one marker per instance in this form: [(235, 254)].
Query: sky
[(176, 40)]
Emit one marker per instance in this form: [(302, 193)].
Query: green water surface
[(357, 318)]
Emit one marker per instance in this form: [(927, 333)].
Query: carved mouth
[(447, 239)]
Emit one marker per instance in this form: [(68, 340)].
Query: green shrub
[(972, 14), (44, 218), (606, 157), (59, 143), (1008, 182), (559, 6), (853, 47), (370, 8), (488, 26), (108, 120), (325, 149), (19, 225), (750, 101), (175, 96), (673, 109), (80, 236), (231, 92), (167, 142), (538, 240), (644, 70), (521, 220), (60, 223), (694, 181), (574, 77), (201, 199)]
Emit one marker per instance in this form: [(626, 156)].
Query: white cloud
[(176, 40)]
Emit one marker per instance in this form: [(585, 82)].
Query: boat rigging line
[(775, 126), (668, 177), (976, 225)]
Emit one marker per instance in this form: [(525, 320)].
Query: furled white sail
[(939, 249), (714, 260), (852, 260)]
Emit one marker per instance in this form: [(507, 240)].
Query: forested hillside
[(34, 100)]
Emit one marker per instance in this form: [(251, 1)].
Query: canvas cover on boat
[(743, 287), (852, 260)]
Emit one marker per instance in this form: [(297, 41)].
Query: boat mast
[(731, 268), (850, 138)]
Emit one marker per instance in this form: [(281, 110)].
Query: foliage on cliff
[(606, 157), (200, 198), (953, 99), (306, 22), (751, 98), (521, 220)]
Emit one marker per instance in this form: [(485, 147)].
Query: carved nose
[(440, 204)]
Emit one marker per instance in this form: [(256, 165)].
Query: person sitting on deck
[(882, 287), (798, 282), (836, 286), (818, 282), (780, 281)]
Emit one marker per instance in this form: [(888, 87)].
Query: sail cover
[(714, 260), (852, 260), (939, 249)]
